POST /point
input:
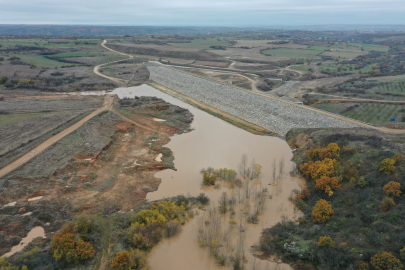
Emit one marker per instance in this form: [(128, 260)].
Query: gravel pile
[(273, 115)]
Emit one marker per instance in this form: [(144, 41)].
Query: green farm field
[(76, 54), (40, 61), (373, 113), (42, 43), (14, 118), (394, 87), (331, 67), (303, 67), (319, 48), (343, 54), (202, 43), (357, 47), (287, 52)]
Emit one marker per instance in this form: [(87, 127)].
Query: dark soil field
[(211, 64), (134, 74), (35, 120), (164, 51), (17, 71), (43, 105)]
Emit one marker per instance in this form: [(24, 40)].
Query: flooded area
[(159, 120), (217, 144), (11, 204), (159, 157), (37, 231)]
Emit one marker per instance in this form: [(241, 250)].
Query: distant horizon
[(324, 27)]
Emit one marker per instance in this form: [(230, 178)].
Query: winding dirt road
[(96, 69)]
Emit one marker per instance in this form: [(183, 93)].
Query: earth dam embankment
[(272, 114)]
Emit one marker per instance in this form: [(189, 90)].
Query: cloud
[(203, 12)]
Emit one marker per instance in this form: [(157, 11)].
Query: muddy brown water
[(35, 232), (218, 144)]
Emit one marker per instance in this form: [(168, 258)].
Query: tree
[(257, 170), (326, 182), (83, 251), (385, 261), (121, 260), (209, 176), (226, 174), (332, 151), (392, 189), (339, 69), (387, 166), (3, 80), (137, 259), (317, 169), (322, 211), (386, 204), (335, 150), (398, 158), (65, 246), (350, 171), (303, 195), (360, 265), (402, 253), (325, 241), (362, 182)]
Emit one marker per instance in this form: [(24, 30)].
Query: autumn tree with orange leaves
[(326, 182), (303, 195), (392, 189), (385, 261), (317, 169), (332, 151), (386, 204), (322, 211), (398, 158), (65, 246), (121, 260)]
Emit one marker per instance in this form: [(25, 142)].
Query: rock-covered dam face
[(271, 114)]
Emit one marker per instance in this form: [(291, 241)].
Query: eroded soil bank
[(105, 166)]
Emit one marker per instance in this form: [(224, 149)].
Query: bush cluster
[(67, 244), (148, 227)]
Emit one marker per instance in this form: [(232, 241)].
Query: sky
[(202, 12)]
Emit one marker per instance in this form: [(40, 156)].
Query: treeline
[(82, 242), (353, 209)]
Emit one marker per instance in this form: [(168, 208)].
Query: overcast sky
[(202, 12)]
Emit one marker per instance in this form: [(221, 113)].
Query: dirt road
[(97, 68), (108, 103)]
